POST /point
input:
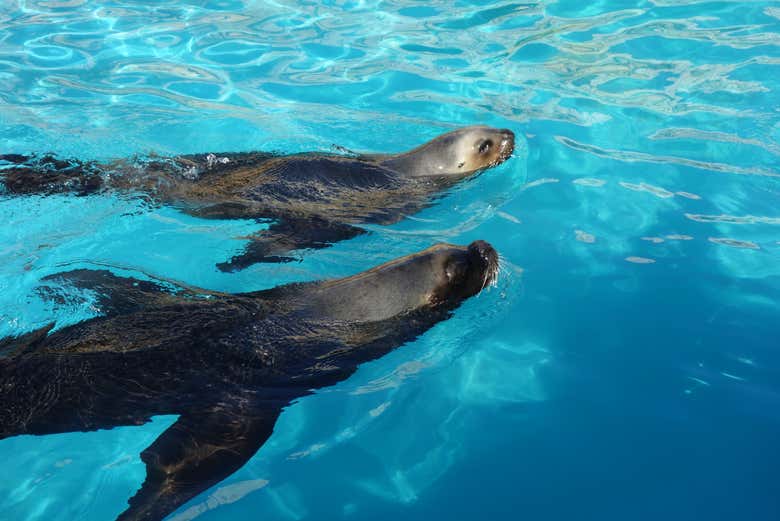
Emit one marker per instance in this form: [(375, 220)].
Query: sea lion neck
[(380, 293), (418, 162), (392, 289)]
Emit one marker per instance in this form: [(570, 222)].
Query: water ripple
[(733, 219), (623, 106), (631, 156), (723, 137), (228, 45), (735, 243)]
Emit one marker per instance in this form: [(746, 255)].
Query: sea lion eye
[(485, 146)]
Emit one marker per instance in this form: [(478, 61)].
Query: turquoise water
[(627, 364)]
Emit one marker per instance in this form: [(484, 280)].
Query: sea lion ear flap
[(195, 453), (114, 295)]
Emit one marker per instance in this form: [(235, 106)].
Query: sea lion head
[(462, 272), (439, 277), (459, 153)]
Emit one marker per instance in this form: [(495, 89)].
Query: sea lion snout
[(508, 138), (485, 258), (507, 144)]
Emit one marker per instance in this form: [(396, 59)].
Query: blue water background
[(627, 364)]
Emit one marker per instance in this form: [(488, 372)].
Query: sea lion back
[(314, 177)]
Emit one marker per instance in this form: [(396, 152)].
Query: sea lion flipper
[(13, 346), (50, 175), (286, 235), (225, 210), (115, 295), (15, 159), (198, 451)]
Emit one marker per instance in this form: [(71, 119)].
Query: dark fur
[(227, 364), (310, 200)]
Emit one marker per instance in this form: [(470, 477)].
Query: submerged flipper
[(14, 158), (227, 210), (198, 451), (275, 243), (50, 175), (14, 346), (117, 295)]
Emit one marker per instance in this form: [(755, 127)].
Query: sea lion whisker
[(494, 272), (490, 278), (484, 282)]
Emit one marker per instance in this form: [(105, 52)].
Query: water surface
[(625, 367)]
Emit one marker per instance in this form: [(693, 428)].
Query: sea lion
[(226, 364), (310, 200)]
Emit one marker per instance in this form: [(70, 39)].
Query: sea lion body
[(342, 189), (226, 364), (311, 200)]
